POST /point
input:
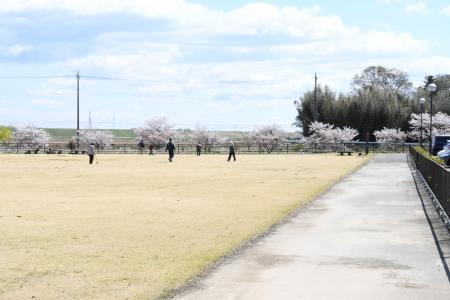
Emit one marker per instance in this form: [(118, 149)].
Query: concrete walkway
[(366, 238)]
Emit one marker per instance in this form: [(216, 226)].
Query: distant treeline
[(380, 97)]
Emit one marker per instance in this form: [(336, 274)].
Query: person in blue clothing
[(171, 149)]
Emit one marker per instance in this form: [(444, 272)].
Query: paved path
[(366, 238)]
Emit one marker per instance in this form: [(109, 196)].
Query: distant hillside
[(64, 134)]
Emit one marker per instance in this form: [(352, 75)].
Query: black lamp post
[(78, 111), (422, 102), (431, 88)]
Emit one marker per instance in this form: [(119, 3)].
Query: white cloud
[(311, 41), (318, 34), (446, 10), (389, 1), (46, 102), (417, 7), (149, 8), (209, 58), (17, 49)]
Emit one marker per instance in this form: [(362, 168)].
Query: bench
[(349, 153)]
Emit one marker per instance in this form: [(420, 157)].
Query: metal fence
[(190, 148), (436, 176)]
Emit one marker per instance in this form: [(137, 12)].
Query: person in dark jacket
[(231, 152), (199, 149), (141, 146), (171, 148)]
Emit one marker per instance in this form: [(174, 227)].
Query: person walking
[(199, 149), (231, 152), (91, 152), (141, 146), (171, 148)]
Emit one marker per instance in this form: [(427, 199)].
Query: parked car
[(444, 154), (438, 143)]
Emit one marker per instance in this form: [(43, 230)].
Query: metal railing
[(436, 176), (190, 148)]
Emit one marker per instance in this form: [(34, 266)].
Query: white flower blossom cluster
[(156, 132), (390, 136), (327, 133), (30, 136), (268, 137), (100, 138), (201, 135), (440, 126)]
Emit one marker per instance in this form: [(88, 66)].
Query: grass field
[(135, 227)]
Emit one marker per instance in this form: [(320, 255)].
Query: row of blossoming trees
[(33, 137), (158, 130), (154, 134), (419, 128)]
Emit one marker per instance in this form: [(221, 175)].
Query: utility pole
[(90, 121), (78, 110), (315, 96)]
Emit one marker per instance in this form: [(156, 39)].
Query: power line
[(34, 77), (102, 78), (157, 81)]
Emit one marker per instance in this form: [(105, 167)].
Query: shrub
[(5, 134), (428, 155)]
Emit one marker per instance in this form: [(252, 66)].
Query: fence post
[(125, 148), (178, 147), (287, 148), (259, 148), (419, 161), (17, 146)]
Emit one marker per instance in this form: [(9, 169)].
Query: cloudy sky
[(228, 65)]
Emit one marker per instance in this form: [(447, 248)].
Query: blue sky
[(229, 65)]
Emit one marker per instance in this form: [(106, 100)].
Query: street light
[(431, 88), (422, 102), (78, 111)]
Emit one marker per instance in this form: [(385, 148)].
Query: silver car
[(444, 154)]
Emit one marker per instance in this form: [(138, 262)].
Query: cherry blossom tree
[(344, 135), (415, 124), (441, 125), (390, 136), (156, 132), (207, 138), (30, 136), (100, 138), (320, 133), (269, 137), (327, 133)]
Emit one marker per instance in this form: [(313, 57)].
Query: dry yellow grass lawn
[(137, 226)]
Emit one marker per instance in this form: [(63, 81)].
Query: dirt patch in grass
[(138, 226)]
